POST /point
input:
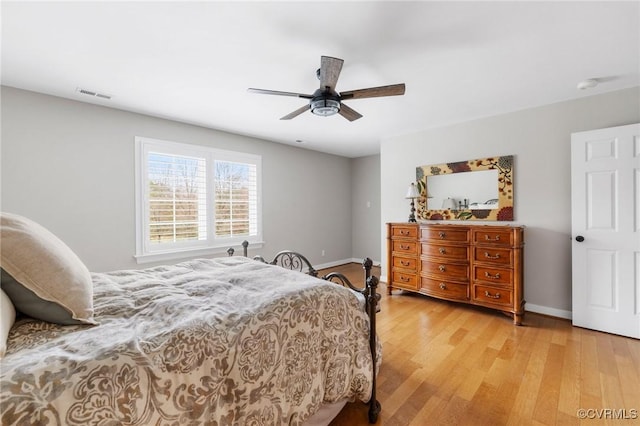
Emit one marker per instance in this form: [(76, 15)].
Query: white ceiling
[(193, 62)]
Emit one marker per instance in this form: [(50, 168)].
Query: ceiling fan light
[(325, 107)]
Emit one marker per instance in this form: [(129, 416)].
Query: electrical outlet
[(322, 253)]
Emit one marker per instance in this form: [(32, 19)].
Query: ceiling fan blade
[(349, 113), (279, 93), (295, 113), (373, 92), (329, 72)]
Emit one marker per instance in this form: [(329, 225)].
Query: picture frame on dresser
[(481, 265)]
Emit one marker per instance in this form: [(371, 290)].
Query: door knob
[(579, 238)]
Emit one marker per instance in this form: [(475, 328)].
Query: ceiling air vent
[(91, 93)]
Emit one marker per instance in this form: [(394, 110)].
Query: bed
[(224, 341)]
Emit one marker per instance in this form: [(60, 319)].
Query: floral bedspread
[(212, 341)]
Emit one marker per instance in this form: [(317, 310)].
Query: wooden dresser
[(477, 264)]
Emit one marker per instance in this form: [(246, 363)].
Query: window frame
[(212, 244)]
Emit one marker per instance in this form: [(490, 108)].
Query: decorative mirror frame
[(504, 212)]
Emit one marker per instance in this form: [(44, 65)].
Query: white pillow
[(41, 275), (7, 318)]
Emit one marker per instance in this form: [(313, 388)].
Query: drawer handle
[(488, 256), (442, 250), (493, 277), (405, 263), (403, 247), (441, 234), (487, 294), (404, 232), (443, 286), (442, 268), (488, 238), (404, 279)]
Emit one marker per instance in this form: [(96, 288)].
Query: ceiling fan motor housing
[(325, 103)]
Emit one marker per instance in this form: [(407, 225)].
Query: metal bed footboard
[(297, 262)]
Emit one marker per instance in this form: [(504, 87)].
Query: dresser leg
[(389, 288), (517, 318)]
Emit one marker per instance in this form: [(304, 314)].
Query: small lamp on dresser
[(412, 194)]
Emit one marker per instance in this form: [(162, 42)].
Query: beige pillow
[(7, 317), (42, 276)]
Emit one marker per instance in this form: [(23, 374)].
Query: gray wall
[(365, 221), (70, 166), (540, 140)]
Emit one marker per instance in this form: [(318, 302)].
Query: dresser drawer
[(445, 234), (410, 263), (401, 246), (496, 296), (493, 255), (446, 270), (445, 252), (399, 231), (444, 289), (402, 279), (502, 237), (493, 275)]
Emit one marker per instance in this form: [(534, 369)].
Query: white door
[(605, 210)]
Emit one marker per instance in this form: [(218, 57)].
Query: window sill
[(191, 253)]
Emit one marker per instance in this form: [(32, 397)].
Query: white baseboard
[(342, 262), (360, 260), (545, 310), (332, 264)]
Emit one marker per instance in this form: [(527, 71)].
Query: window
[(193, 200)]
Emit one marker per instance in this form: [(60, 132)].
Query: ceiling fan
[(326, 101)]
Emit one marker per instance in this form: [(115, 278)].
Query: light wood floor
[(451, 364)]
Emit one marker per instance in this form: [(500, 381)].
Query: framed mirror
[(479, 189)]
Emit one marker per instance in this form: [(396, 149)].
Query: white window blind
[(194, 198), (236, 199), (177, 198)]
